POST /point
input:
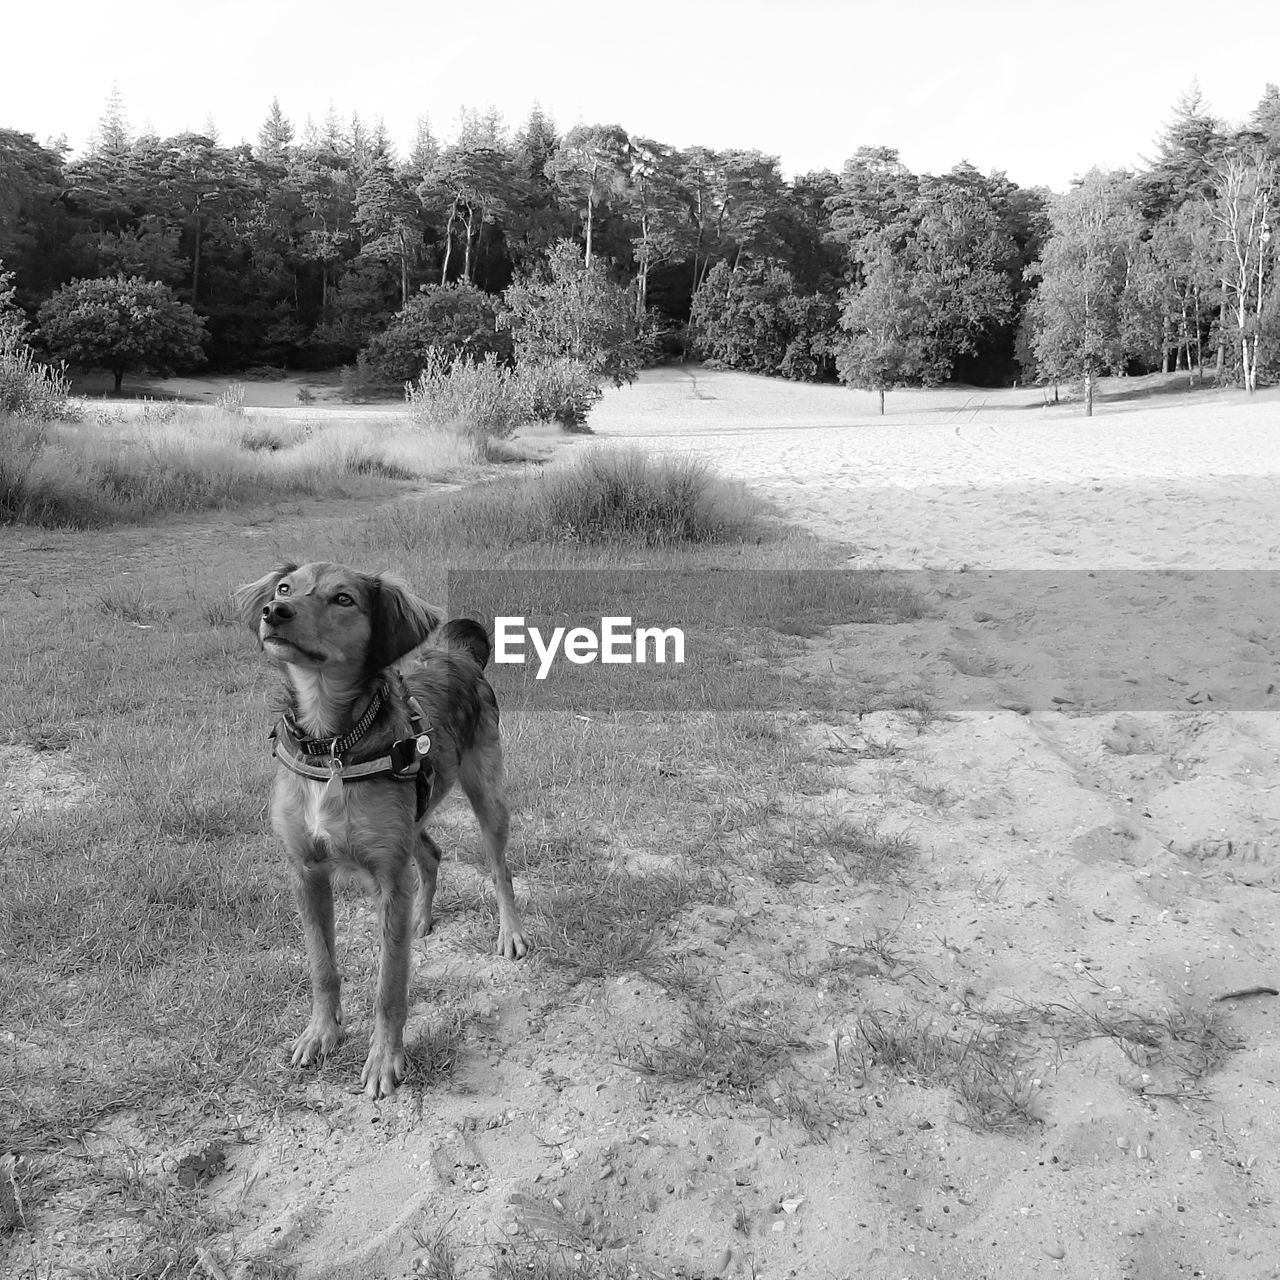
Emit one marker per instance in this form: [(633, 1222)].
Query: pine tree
[(425, 150), (111, 137), (275, 136)]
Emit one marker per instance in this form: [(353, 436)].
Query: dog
[(378, 726)]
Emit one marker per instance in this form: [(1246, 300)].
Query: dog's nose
[(276, 612)]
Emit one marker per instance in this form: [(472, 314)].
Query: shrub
[(574, 312), (560, 390), (477, 398), (623, 495), (232, 399), (451, 320), (28, 388)]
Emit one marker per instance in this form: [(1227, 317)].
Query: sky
[(1042, 91)]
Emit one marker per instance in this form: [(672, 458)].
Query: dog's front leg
[(385, 1066), (314, 896)]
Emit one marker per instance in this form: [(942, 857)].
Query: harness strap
[(405, 762)]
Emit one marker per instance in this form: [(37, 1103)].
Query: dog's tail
[(470, 637)]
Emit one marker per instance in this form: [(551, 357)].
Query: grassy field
[(149, 960), (865, 928)]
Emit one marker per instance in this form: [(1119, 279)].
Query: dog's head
[(331, 618)]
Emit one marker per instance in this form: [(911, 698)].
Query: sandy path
[(990, 479)]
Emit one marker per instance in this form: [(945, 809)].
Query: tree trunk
[(590, 206), (882, 402), (119, 378), (195, 260), (1088, 393), (1222, 337), (448, 247)]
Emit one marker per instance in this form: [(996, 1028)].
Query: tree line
[(320, 247)]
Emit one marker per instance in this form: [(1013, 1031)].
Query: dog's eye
[(282, 589), (343, 598)]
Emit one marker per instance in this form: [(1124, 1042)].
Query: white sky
[(1041, 90)]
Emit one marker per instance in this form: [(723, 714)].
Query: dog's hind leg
[(426, 853), (314, 896), (484, 790), (384, 1068)]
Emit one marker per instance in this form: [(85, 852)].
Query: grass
[(985, 1066), (112, 468), (610, 498), (155, 920)]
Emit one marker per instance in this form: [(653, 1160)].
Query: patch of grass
[(744, 1053), (174, 460), (607, 497), (607, 924), (859, 849), (983, 1066), (1189, 1040)]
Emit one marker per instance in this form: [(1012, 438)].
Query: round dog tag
[(423, 743)]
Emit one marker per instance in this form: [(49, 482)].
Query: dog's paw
[(511, 942), (319, 1040), (384, 1069)]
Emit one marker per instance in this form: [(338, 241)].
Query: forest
[(321, 247)]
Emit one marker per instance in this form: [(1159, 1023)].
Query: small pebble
[(1055, 1250)]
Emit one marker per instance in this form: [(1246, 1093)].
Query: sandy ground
[(990, 479), (1096, 808)]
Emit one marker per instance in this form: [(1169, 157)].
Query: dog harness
[(321, 758)]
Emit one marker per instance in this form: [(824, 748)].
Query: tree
[(475, 185), (388, 218), (1264, 122), (590, 169), (960, 262), (1184, 169), (884, 322), (573, 311), (112, 133), (876, 189), (276, 135), (451, 320), (1243, 210), (755, 318), (121, 324), (424, 152), (1077, 313), (654, 200)]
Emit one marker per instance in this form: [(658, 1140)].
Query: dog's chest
[(333, 821)]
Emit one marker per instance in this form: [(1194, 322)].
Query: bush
[(451, 320), (560, 390), (476, 398), (574, 312), (29, 389), (623, 495)]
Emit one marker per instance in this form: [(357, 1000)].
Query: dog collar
[(320, 758), (338, 745)]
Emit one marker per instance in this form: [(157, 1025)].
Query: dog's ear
[(250, 599), (400, 621)]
